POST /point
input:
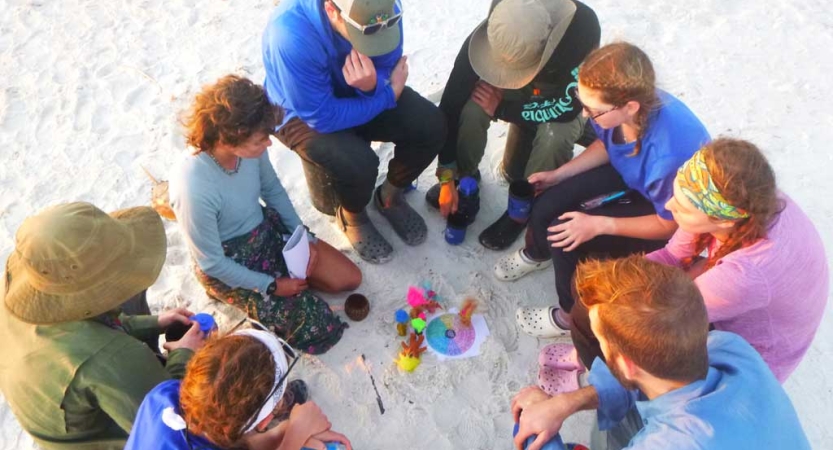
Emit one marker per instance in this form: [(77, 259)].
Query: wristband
[(445, 175), (273, 286)]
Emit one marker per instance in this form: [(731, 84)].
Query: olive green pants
[(530, 148)]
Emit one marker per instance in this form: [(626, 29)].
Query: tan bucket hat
[(515, 42), (364, 12), (73, 262)]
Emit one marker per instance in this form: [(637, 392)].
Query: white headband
[(274, 345)]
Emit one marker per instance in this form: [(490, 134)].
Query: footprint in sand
[(83, 109), (12, 110)]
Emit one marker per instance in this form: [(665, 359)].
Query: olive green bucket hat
[(73, 262), (516, 41)]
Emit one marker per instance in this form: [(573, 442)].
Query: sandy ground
[(91, 91)]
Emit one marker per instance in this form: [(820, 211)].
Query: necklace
[(227, 171)]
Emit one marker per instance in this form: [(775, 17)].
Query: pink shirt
[(772, 293)]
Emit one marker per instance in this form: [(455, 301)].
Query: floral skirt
[(305, 321)]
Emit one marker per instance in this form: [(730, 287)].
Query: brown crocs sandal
[(407, 223), (365, 239)]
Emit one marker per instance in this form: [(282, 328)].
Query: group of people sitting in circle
[(690, 298)]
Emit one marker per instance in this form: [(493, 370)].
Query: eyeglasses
[(290, 353), (590, 113), (375, 24)]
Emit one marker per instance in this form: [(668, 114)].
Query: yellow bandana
[(696, 183)]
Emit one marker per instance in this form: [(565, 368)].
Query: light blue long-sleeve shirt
[(304, 57), (739, 405), (212, 206)]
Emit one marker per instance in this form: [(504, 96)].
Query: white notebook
[(296, 253)]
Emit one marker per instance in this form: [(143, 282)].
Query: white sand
[(91, 90)]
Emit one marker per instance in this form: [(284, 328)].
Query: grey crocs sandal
[(366, 239), (407, 223)]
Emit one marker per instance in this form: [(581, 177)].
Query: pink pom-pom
[(415, 297)]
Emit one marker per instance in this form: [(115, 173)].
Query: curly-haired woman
[(236, 242), (229, 395)]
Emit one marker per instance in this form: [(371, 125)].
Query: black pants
[(566, 197), (415, 126)]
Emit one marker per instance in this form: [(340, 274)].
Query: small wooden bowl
[(357, 307)]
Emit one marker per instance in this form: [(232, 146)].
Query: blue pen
[(595, 202)]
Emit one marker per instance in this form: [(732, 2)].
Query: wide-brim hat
[(73, 262), (549, 17), (383, 41)]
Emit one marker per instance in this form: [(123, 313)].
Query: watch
[(271, 289)]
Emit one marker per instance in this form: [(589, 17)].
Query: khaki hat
[(515, 42), (363, 12), (73, 262)]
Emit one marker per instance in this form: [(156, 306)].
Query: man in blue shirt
[(679, 385), (336, 67)]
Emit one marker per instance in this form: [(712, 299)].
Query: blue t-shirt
[(673, 135), (159, 424)]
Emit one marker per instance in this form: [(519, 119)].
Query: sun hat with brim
[(515, 42), (363, 11), (73, 262)]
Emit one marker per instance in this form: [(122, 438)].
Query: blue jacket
[(304, 56), (739, 405), (159, 424)]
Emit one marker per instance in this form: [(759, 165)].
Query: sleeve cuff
[(177, 360), (141, 327), (614, 400)]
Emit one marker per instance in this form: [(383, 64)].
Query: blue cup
[(553, 444), (455, 228), (206, 322), (521, 194)]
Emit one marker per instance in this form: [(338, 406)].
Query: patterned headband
[(696, 183)]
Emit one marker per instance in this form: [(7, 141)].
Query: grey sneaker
[(407, 223), (365, 239)]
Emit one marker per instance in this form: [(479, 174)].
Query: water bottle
[(553, 444), (335, 446), (468, 204)]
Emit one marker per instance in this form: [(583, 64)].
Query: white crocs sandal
[(538, 322), (516, 265)]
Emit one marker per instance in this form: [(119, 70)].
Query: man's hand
[(449, 199), (170, 316), (399, 76), (194, 339), (359, 72), (541, 181), (578, 229), (487, 97), (543, 419), (527, 397), (287, 287)]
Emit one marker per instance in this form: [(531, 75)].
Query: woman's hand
[(542, 181), (578, 229), (288, 287), (319, 441), (308, 419), (181, 315), (194, 339)]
